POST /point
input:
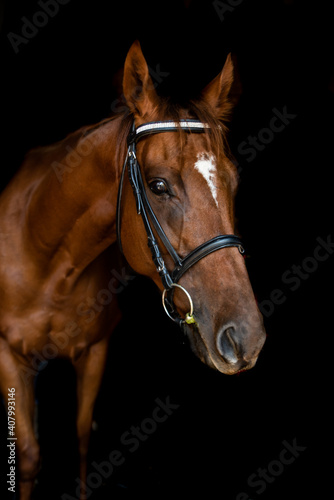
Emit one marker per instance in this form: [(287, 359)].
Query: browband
[(166, 126)]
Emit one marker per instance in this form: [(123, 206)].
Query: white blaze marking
[(206, 166)]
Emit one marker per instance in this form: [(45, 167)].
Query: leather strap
[(166, 126), (222, 241)]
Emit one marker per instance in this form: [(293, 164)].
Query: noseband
[(169, 278)]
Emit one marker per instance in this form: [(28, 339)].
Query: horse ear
[(218, 94), (138, 87)]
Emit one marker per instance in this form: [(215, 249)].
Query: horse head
[(190, 184)]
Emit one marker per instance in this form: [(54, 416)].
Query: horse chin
[(210, 358)]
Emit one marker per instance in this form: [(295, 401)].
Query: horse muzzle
[(234, 348)]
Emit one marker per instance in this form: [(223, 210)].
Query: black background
[(225, 428)]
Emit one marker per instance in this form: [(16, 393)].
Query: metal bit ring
[(189, 316)]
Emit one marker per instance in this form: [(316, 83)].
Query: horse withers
[(158, 178)]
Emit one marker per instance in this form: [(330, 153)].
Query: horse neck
[(72, 213)]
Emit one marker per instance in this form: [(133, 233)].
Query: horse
[(153, 186)]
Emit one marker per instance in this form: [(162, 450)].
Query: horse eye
[(158, 187)]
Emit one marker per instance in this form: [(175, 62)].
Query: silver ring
[(190, 313)]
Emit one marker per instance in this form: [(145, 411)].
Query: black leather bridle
[(169, 278)]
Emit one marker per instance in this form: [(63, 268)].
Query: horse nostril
[(228, 346)]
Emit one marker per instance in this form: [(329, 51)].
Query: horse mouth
[(211, 357)]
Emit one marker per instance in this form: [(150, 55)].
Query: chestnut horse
[(59, 239)]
